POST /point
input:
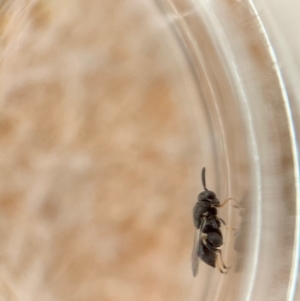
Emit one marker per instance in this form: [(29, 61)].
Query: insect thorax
[(202, 209)]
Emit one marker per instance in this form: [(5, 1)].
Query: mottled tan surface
[(98, 165)]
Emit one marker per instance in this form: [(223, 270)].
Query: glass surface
[(244, 68), (109, 110)]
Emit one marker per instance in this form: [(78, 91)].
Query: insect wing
[(195, 258)]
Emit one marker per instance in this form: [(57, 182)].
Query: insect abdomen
[(215, 239), (208, 256)]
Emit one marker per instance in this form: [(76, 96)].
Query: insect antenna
[(203, 178)]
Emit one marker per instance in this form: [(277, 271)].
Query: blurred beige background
[(99, 168)]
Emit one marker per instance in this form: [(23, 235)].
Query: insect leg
[(219, 268), (221, 259), (221, 205), (223, 222)]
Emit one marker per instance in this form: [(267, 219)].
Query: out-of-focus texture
[(97, 161)]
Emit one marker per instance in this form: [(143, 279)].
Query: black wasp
[(208, 236)]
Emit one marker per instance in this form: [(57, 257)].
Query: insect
[(208, 236)]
